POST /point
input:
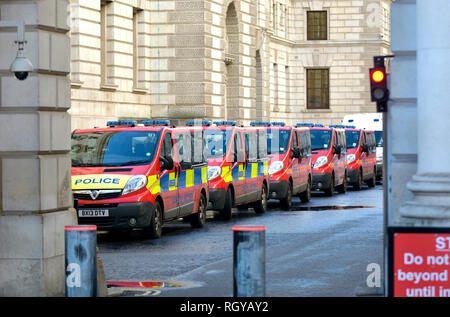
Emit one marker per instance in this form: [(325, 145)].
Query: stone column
[(35, 185), (430, 185), (401, 145)]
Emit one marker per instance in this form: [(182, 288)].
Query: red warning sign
[(421, 265)]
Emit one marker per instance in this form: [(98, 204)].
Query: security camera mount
[(20, 30), (20, 42)]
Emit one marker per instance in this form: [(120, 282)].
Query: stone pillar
[(430, 185), (35, 185), (401, 145)]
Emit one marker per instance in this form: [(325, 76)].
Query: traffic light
[(379, 91), (378, 84)]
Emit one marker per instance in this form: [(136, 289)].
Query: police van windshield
[(216, 142), (113, 148), (320, 139), (379, 138), (352, 138), (277, 141)]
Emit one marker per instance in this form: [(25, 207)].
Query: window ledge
[(76, 84), (317, 110), (142, 91), (108, 87)]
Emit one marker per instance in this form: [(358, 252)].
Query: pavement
[(325, 248)]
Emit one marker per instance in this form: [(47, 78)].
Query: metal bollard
[(81, 260), (249, 261)]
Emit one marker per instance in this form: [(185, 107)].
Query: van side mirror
[(166, 163), (365, 148), (296, 152), (337, 149)]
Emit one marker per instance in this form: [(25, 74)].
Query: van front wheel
[(227, 211), (330, 190), (286, 202), (154, 230), (358, 184)]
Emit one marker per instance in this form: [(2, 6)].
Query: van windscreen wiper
[(135, 162)]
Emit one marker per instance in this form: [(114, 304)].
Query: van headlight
[(275, 167), (214, 172), (351, 158), (321, 161), (135, 183)]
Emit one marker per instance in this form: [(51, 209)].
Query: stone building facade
[(244, 60), (35, 192)]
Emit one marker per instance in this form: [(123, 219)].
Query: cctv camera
[(21, 65)]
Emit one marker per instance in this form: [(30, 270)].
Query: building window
[(274, 15), (317, 25), (318, 88), (275, 87), (137, 69), (104, 40), (286, 21), (107, 80)]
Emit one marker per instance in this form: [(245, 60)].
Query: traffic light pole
[(380, 81)]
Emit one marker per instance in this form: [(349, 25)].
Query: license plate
[(93, 212)]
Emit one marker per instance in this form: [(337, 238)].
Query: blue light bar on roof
[(350, 127), (304, 125), (156, 122), (337, 126), (121, 123), (318, 125), (281, 124), (194, 122), (260, 123), (232, 123)]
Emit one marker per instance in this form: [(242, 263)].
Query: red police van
[(328, 159), (237, 167), (361, 157), (290, 172), (128, 176)]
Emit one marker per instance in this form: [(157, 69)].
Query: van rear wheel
[(343, 187), (199, 218), (306, 195), (260, 206), (373, 180)]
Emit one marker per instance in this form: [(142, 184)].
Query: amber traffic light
[(377, 75), (378, 85)]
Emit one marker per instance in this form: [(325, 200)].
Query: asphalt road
[(321, 249)]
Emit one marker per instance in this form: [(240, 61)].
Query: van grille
[(102, 195)]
